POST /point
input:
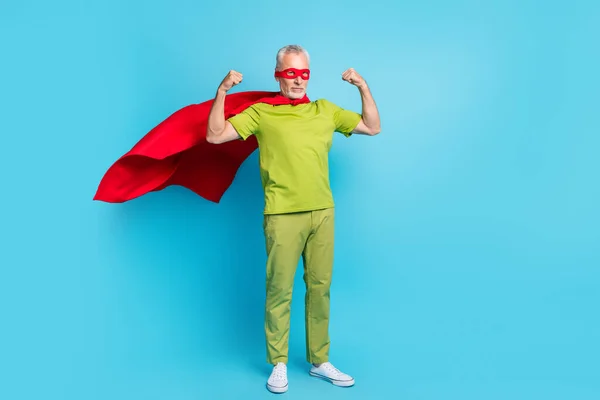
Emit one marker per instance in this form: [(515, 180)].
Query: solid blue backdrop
[(467, 253)]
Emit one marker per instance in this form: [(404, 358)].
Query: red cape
[(176, 152)]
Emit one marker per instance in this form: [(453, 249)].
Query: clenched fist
[(351, 76), (233, 78)]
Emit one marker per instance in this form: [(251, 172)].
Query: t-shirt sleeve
[(345, 120), (246, 123)]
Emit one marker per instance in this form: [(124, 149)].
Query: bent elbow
[(375, 131), (211, 137)]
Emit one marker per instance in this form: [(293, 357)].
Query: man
[(294, 140)]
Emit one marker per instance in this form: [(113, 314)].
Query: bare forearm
[(216, 117), (370, 114)]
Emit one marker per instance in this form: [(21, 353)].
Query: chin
[(296, 95)]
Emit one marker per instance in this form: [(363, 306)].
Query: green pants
[(288, 237)]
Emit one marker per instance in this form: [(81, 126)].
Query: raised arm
[(369, 123), (219, 130)]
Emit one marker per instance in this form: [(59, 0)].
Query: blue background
[(467, 253)]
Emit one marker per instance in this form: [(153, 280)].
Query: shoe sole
[(333, 381), (278, 390)]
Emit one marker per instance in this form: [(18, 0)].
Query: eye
[(290, 73)]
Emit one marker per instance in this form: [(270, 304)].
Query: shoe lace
[(331, 368), (279, 371)]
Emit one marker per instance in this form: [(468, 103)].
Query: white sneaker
[(330, 373), (278, 382)]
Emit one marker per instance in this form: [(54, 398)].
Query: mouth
[(297, 90)]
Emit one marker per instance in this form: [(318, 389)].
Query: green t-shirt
[(294, 142)]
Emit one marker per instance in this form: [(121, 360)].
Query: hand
[(233, 78), (351, 76)]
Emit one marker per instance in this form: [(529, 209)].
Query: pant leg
[(285, 236), (318, 269)]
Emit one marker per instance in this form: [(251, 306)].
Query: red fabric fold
[(176, 152)]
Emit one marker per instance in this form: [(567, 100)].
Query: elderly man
[(294, 138)]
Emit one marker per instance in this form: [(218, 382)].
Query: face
[(294, 88)]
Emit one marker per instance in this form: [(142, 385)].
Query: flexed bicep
[(226, 135)]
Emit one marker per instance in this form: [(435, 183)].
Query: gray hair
[(290, 48)]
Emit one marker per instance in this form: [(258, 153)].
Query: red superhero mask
[(292, 73)]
